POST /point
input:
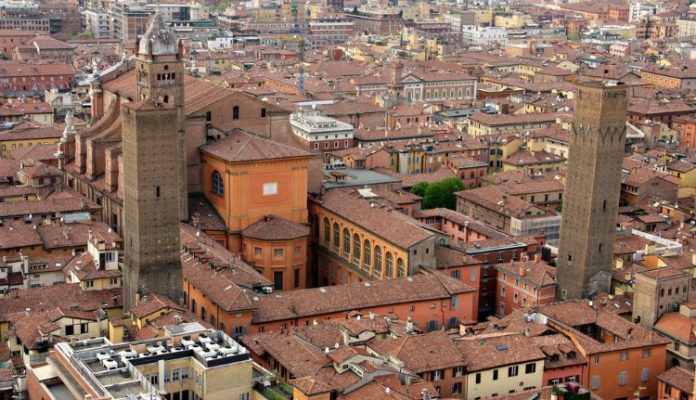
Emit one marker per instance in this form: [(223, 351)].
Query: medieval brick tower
[(591, 196), (152, 128), (160, 76)]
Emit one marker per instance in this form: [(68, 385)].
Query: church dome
[(159, 39)]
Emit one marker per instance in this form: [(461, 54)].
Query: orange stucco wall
[(244, 203)]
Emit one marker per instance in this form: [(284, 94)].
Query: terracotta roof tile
[(487, 353), (421, 353), (679, 378), (354, 296), (272, 227), (537, 273), (378, 219), (494, 198), (241, 146), (66, 297)]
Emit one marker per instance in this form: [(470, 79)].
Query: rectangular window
[(69, 330), (438, 374), (278, 254), (595, 382), (495, 374), (596, 359), (83, 328), (296, 278), (278, 280), (263, 113), (257, 251), (645, 374), (175, 374), (646, 353), (624, 355), (157, 192), (513, 371), (478, 377), (270, 189), (623, 378), (530, 368)]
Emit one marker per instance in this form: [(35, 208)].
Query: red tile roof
[(421, 353), (355, 296), (272, 227), (378, 219), (242, 146)]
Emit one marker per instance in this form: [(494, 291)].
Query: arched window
[(337, 235), (378, 260), (218, 185), (327, 231), (368, 255), (166, 98), (346, 243), (389, 269), (401, 267), (356, 248)]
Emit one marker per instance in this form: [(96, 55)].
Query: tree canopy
[(438, 194)]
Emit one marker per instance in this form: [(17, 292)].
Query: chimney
[(522, 271), (537, 257)]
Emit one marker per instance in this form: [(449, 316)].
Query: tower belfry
[(153, 161), (593, 186)]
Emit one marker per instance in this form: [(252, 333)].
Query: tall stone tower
[(160, 76), (152, 128), (591, 196)]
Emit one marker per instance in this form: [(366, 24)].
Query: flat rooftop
[(349, 177)]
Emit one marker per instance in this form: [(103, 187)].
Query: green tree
[(441, 194), (419, 188)]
